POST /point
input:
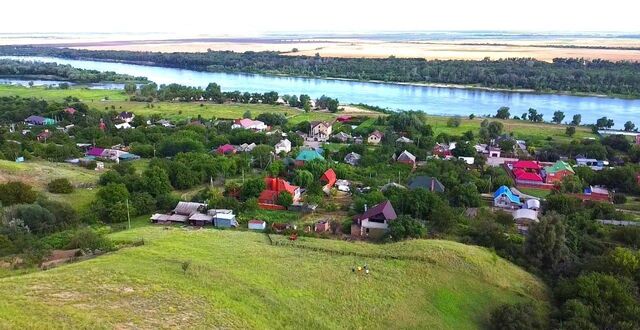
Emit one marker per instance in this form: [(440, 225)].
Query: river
[(430, 99)]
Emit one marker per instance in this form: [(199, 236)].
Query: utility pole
[(128, 216)]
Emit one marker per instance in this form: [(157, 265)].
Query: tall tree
[(503, 113), (558, 116), (546, 244), (577, 118)]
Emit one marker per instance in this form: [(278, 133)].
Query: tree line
[(54, 71)]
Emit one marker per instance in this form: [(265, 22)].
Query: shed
[(321, 226), (257, 225)]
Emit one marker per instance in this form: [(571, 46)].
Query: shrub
[(520, 316), (87, 239), (619, 198), (285, 199), (16, 193), (60, 186), (454, 121)]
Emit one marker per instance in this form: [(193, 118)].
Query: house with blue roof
[(505, 198), (307, 155)]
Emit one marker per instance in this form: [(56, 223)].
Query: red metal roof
[(526, 176), (279, 185), (329, 177), (527, 164)]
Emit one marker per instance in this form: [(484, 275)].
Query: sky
[(244, 17)]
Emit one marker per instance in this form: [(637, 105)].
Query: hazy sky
[(251, 17)]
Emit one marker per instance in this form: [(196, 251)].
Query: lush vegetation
[(54, 71), (569, 75)]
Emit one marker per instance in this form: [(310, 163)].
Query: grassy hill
[(238, 280)]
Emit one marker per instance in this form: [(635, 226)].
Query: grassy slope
[(237, 280), (40, 173)]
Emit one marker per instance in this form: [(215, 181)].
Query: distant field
[(84, 94), (237, 280)]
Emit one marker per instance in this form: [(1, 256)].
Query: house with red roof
[(374, 222), (522, 175), (226, 149), (70, 111), (268, 198), (329, 179), (44, 135), (527, 165), (527, 171), (442, 150)]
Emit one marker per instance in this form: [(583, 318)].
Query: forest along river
[(432, 100)]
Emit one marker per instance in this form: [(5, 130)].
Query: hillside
[(238, 280)]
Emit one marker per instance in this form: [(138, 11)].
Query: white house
[(283, 146), (247, 123), (257, 225), (124, 125)]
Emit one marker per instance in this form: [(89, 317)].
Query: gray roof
[(426, 182)]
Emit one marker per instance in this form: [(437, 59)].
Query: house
[(352, 158), (407, 158), (226, 149), (283, 146), (70, 111), (329, 179), (358, 140), (126, 116), (95, 152), (320, 130), (344, 118), (274, 186), (321, 226), (44, 135), (504, 198), (375, 137), (595, 193), (247, 123), (200, 219), (527, 170), (404, 140), (427, 183), (558, 171), (594, 164), (374, 222), (246, 147), (182, 213), (257, 225), (223, 218), (442, 150), (342, 137), (467, 160), (307, 155), (124, 125), (39, 120), (494, 152)]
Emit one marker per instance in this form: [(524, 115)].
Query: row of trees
[(54, 71)]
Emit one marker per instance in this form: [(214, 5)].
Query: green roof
[(559, 166), (309, 155)]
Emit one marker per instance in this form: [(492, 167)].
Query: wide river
[(432, 100)]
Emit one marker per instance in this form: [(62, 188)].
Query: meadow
[(238, 280)]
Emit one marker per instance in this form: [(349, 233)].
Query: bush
[(454, 121), (514, 317), (619, 198), (16, 193), (89, 240), (285, 199), (60, 186)]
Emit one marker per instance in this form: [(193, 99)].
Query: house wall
[(373, 139), (557, 177)]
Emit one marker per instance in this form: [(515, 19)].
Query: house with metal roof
[(504, 198), (307, 155), (374, 222), (558, 171), (427, 183)]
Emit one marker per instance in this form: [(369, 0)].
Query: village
[(293, 154)]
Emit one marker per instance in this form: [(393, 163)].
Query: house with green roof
[(307, 155), (556, 172)]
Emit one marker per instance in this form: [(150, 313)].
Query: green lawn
[(237, 280), (540, 193), (82, 93), (39, 172)]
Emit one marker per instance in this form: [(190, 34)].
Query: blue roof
[(506, 191)]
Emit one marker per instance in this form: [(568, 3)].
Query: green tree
[(60, 186), (285, 199), (252, 188), (303, 178), (545, 245), (503, 113), (305, 102), (629, 126), (454, 121), (577, 118), (558, 116), (522, 316), (405, 227), (495, 129), (262, 155), (570, 131), (155, 181), (16, 192), (130, 88)]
